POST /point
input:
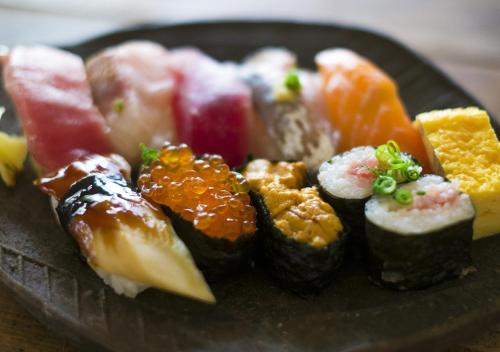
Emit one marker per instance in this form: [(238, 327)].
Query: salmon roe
[(202, 190)]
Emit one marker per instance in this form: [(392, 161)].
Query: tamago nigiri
[(363, 103)]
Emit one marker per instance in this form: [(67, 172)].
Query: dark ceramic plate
[(39, 263)]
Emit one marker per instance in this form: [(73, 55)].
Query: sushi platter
[(249, 186)]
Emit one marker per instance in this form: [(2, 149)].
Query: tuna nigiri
[(363, 103), (126, 239), (287, 103), (133, 85), (53, 100), (212, 106)]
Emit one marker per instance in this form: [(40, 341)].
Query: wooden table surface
[(460, 36)]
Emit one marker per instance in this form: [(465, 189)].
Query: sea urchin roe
[(204, 191), (290, 174), (297, 212)]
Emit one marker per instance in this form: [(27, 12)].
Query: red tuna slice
[(212, 106), (53, 100)]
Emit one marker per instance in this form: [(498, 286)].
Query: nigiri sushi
[(212, 106), (364, 105), (127, 240), (289, 106), (52, 96), (302, 238), (133, 86), (209, 206)]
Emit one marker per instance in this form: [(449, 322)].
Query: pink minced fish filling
[(435, 196), (360, 169)]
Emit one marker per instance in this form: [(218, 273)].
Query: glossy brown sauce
[(114, 213), (104, 213), (59, 182)]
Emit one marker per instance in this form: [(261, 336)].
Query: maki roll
[(348, 180), (301, 236), (209, 206), (289, 105), (346, 183), (126, 239), (421, 235)]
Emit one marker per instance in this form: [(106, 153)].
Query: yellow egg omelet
[(462, 146)]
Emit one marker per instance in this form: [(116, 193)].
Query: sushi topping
[(202, 190), (403, 196), (290, 87), (384, 185), (119, 105), (297, 211), (59, 182), (292, 81), (394, 167), (148, 154)]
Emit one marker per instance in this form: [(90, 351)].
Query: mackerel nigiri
[(289, 103), (212, 106), (133, 85), (126, 239), (52, 96), (363, 103)]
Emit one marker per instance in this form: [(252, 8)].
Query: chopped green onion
[(420, 193), (383, 155), (384, 185), (399, 175), (395, 164), (393, 148), (148, 154), (119, 105), (403, 196), (413, 172), (292, 81)]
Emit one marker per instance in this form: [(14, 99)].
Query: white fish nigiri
[(133, 85)]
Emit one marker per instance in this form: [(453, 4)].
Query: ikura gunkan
[(422, 241), (209, 205), (302, 237)]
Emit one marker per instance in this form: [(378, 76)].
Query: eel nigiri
[(212, 106), (53, 99), (133, 86), (294, 116), (363, 103), (126, 239)]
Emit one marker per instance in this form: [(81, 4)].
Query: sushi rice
[(442, 205), (338, 175)]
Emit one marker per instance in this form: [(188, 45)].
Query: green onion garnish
[(413, 172), (394, 167), (119, 105), (403, 196), (384, 185), (420, 193), (148, 154), (292, 81)]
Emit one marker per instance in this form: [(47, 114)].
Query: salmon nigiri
[(363, 103)]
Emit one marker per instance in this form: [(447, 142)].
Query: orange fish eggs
[(204, 191)]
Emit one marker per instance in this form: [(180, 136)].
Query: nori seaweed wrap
[(424, 242), (209, 206), (301, 238), (345, 183)]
